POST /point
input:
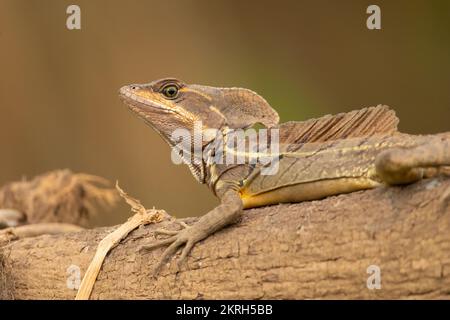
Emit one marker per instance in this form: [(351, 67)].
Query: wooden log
[(315, 250)]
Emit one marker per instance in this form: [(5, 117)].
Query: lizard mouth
[(138, 104)]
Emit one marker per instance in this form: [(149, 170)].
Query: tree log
[(314, 250)]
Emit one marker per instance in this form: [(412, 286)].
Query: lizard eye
[(170, 91)]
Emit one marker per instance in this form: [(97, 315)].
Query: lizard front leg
[(227, 212), (401, 166)]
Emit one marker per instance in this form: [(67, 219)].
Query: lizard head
[(169, 104)]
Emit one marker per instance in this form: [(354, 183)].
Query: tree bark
[(314, 250)]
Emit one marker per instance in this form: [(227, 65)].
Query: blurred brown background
[(58, 88)]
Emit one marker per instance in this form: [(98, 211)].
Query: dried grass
[(59, 196)]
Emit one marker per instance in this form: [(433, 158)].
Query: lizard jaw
[(138, 104)]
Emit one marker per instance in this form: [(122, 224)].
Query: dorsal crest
[(379, 120)]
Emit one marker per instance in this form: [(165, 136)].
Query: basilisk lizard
[(317, 158)]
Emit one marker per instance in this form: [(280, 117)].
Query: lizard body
[(316, 158), (318, 170)]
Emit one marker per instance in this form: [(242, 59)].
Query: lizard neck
[(200, 162), (221, 157), (223, 172)]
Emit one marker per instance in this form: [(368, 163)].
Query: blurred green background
[(58, 88)]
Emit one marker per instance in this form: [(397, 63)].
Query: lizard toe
[(147, 247), (187, 248), (166, 232), (169, 252), (181, 223)]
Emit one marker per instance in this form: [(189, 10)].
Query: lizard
[(317, 158)]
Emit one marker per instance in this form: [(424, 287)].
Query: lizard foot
[(226, 213), (187, 236)]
